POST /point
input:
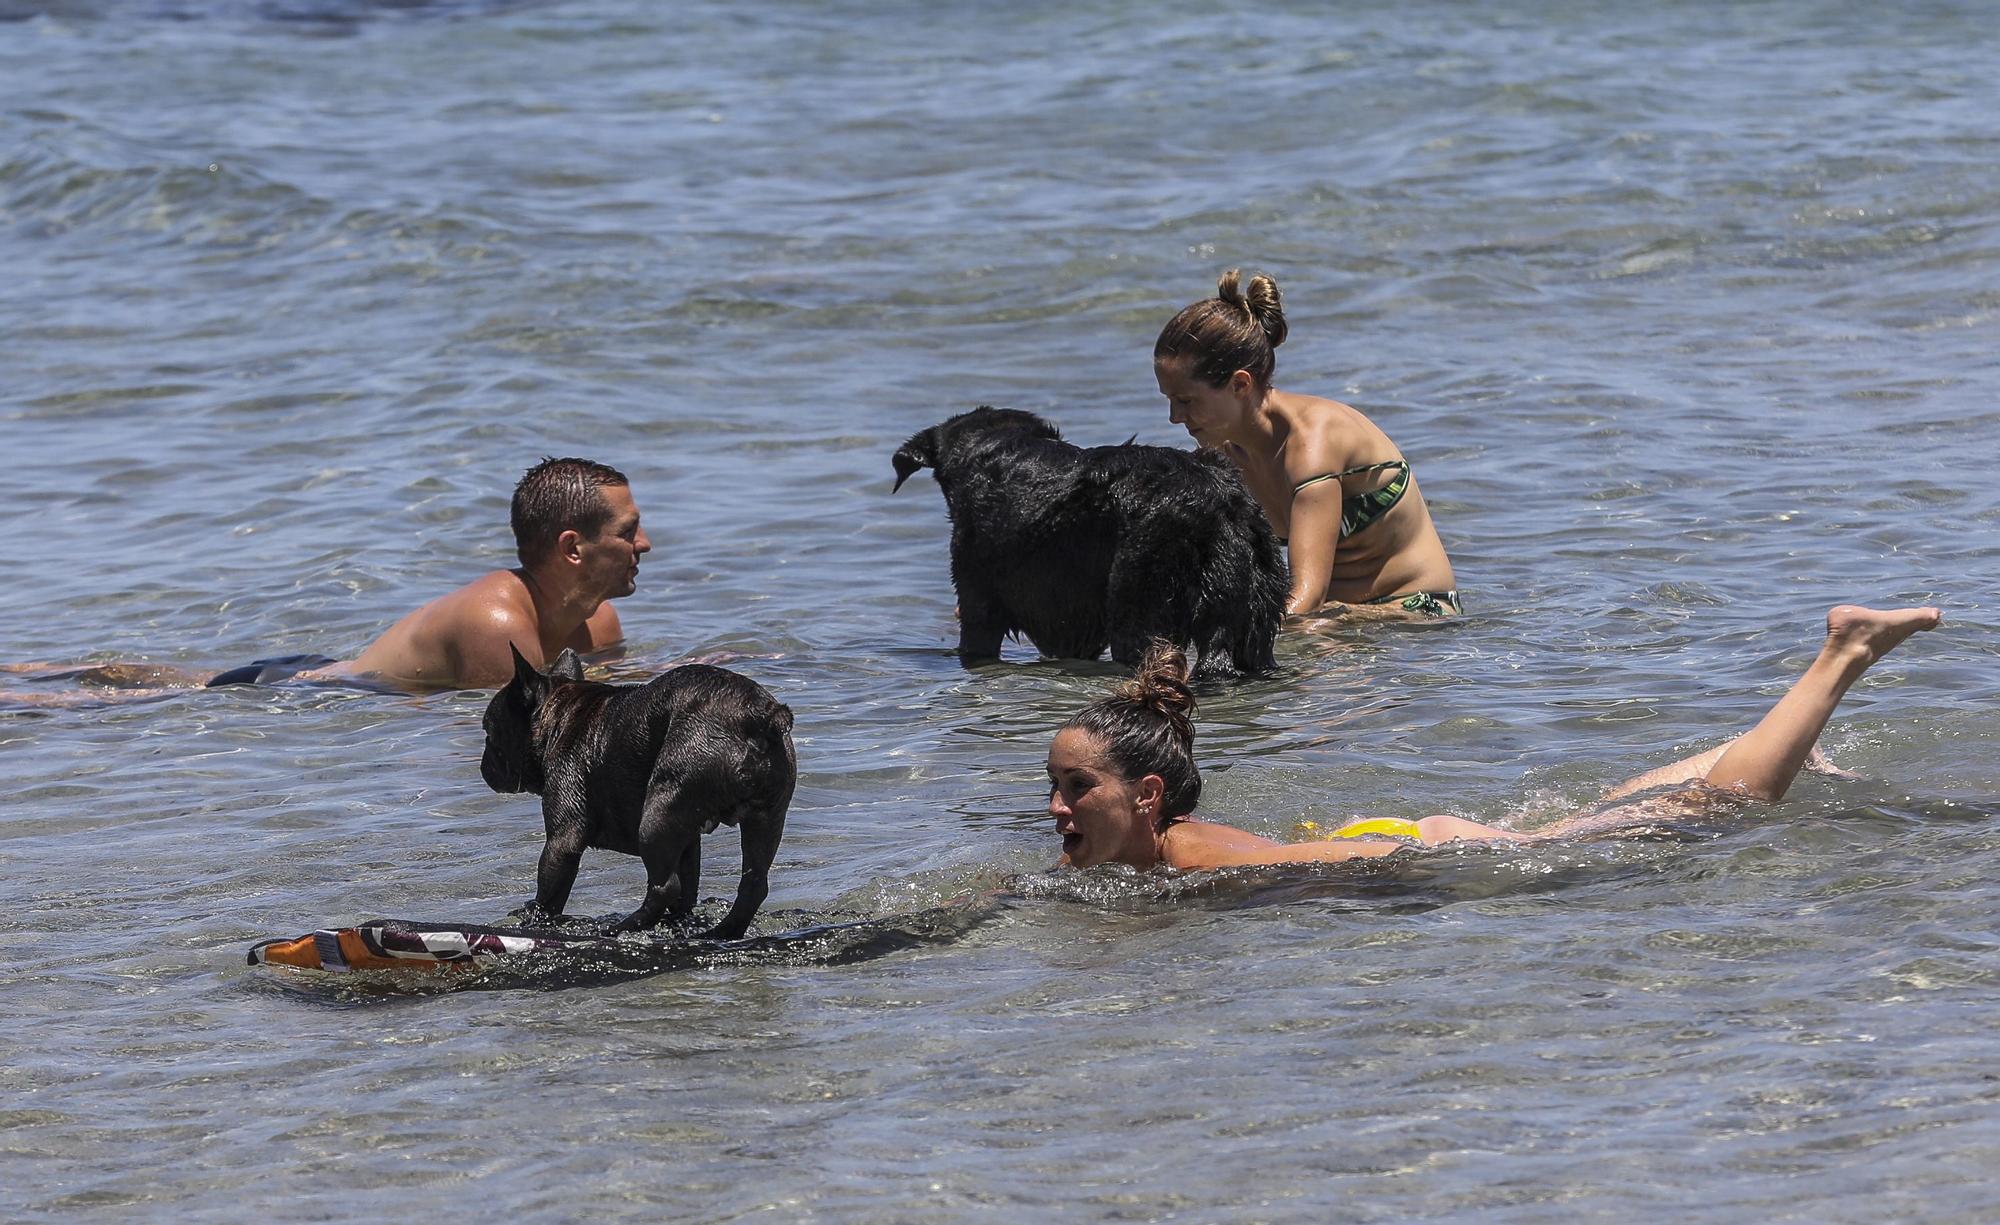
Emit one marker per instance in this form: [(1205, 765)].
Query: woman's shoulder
[(1326, 436), (1205, 844)]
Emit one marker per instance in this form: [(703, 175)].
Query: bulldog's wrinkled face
[(510, 763)]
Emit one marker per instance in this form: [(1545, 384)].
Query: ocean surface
[(1687, 315)]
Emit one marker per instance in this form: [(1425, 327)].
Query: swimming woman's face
[(1101, 817), (1210, 415)]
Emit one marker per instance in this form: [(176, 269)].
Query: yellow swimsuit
[(1367, 827)]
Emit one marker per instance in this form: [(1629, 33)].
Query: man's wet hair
[(560, 495)]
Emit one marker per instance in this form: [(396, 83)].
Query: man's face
[(611, 558)]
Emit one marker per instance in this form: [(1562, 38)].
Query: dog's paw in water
[(529, 915), (670, 922)]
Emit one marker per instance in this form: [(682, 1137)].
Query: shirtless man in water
[(577, 533)]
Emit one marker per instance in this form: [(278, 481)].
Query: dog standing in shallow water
[(646, 770), (1084, 548)]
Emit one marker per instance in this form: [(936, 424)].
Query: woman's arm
[(1315, 529)]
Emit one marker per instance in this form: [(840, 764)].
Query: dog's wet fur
[(645, 770), (1083, 548)]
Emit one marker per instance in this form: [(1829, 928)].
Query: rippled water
[(1686, 316)]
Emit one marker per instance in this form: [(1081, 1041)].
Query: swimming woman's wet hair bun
[(1161, 686), (1146, 726)]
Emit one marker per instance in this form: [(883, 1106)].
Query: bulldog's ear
[(567, 666), (525, 675)]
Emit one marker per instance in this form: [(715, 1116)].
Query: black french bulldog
[(645, 770), (1081, 548)]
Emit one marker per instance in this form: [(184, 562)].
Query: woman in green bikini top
[(1337, 490), (1123, 783)]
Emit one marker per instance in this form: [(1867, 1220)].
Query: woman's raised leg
[(1694, 769), (1763, 761)]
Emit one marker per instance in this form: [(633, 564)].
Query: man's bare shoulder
[(496, 590), (476, 625), (498, 596), (461, 639)]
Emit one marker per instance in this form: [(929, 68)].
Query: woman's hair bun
[(1161, 685), (1237, 329), (1267, 308), (1229, 287), (1260, 301)]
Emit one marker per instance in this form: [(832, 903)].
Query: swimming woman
[(1123, 781), (1337, 490)]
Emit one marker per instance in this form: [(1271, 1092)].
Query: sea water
[(1684, 313)]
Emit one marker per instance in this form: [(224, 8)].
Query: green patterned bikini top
[(1359, 510)]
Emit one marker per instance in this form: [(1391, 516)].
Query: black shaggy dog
[(645, 770), (1084, 548)]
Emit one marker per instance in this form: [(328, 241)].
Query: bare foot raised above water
[(1871, 633)]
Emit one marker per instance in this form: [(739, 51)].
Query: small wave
[(1395, 884), (215, 210), (52, 193), (335, 15)]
